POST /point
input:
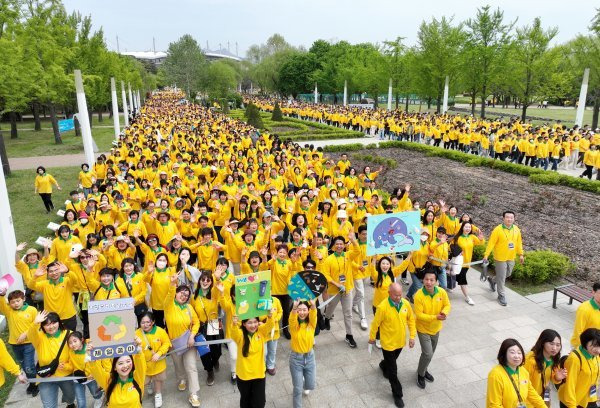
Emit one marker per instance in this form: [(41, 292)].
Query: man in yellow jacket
[(392, 318), (505, 243), (587, 316), (431, 309)]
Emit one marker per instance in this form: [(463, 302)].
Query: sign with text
[(112, 327), (253, 295), (395, 232)]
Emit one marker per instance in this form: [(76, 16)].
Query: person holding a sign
[(392, 318), (49, 337), (505, 243), (281, 272), (303, 323), (339, 270), (508, 383), (43, 187), (250, 338)]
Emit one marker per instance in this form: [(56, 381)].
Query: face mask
[(333, 195), (83, 221), (351, 195), (424, 237), (161, 264)]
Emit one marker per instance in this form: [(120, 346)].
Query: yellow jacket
[(43, 184), (502, 394), (137, 290), (58, 297), (335, 266), (392, 324), (179, 318), (281, 273), (47, 347), (274, 334), (303, 333), (18, 321), (160, 282), (582, 374), (155, 341), (587, 315), (7, 363), (535, 375), (505, 243), (252, 366), (124, 394), (428, 306)]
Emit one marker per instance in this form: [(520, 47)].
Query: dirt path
[(554, 217)]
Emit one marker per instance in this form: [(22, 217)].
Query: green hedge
[(390, 163), (537, 176), (542, 266), (344, 148)]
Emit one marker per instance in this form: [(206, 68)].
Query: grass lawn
[(30, 143), (28, 122), (29, 215)]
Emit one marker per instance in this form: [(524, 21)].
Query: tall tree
[(184, 64), (488, 35)]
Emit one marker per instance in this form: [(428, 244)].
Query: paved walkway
[(466, 352)]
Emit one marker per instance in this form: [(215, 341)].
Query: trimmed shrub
[(253, 117), (542, 266), (277, 115), (343, 148)]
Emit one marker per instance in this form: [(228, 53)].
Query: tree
[(395, 54), (295, 72), (219, 79), (584, 52), (277, 115), (532, 62), (487, 35), (184, 65), (253, 117)]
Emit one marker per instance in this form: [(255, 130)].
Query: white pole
[(582, 98), (9, 241), (115, 107), (130, 100), (445, 104), (124, 98), (345, 93), (139, 99), (251, 88), (389, 105), (84, 119), (316, 94)]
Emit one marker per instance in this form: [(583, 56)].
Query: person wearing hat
[(105, 288), (121, 249), (341, 226), (232, 253), (165, 227), (106, 215), (150, 249), (85, 225), (27, 266), (439, 250)]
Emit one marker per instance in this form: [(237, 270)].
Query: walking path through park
[(24, 163), (467, 350)]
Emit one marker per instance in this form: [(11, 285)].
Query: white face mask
[(83, 221), (424, 237), (351, 195), (334, 195), (161, 264)]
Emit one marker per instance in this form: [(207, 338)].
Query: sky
[(137, 22)]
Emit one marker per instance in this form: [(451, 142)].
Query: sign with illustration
[(391, 233), (307, 285), (112, 327), (253, 295)]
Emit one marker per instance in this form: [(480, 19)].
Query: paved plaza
[(466, 352)]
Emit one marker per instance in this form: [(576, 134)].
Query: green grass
[(526, 289), (28, 212), (28, 122), (30, 143), (300, 130)]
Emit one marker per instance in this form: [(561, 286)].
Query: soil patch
[(282, 129), (559, 218)]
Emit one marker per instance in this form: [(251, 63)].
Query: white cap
[(341, 201), (120, 238), (213, 167), (267, 214), (342, 214)]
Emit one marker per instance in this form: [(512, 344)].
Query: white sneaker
[(363, 324), (158, 401), (469, 301), (378, 343), (150, 388), (194, 400), (355, 309), (306, 392)]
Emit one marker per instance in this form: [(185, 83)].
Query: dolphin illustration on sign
[(396, 232)]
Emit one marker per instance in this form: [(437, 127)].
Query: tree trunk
[(595, 112), (77, 126), (13, 125), (36, 116), (473, 102), (57, 138), (406, 102), (524, 112), (90, 117), (483, 98), (428, 102), (44, 110), (439, 103), (4, 156), (397, 99), (100, 114), (493, 100), (110, 112)]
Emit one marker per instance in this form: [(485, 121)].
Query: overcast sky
[(249, 22)]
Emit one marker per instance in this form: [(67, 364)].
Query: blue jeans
[(555, 161), (271, 353), (414, 286), (49, 393), (25, 354), (303, 369), (95, 392), (442, 278)]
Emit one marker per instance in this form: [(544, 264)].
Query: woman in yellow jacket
[(155, 344), (182, 326), (158, 276), (130, 283), (47, 333), (43, 187), (80, 368), (303, 323), (7, 363), (250, 338), (508, 383), (382, 276), (124, 383), (466, 240), (583, 367), (542, 363)]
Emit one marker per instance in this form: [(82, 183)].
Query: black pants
[(209, 359), (70, 323), (391, 368), (588, 172), (159, 318), (252, 393), (590, 405), (377, 334), (47, 199), (285, 308), (83, 314)]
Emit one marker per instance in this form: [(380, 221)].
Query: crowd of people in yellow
[(189, 198), (514, 140)]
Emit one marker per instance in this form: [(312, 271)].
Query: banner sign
[(253, 295), (112, 327), (65, 125), (391, 233), (307, 285)]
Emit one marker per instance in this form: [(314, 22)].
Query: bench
[(573, 292)]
